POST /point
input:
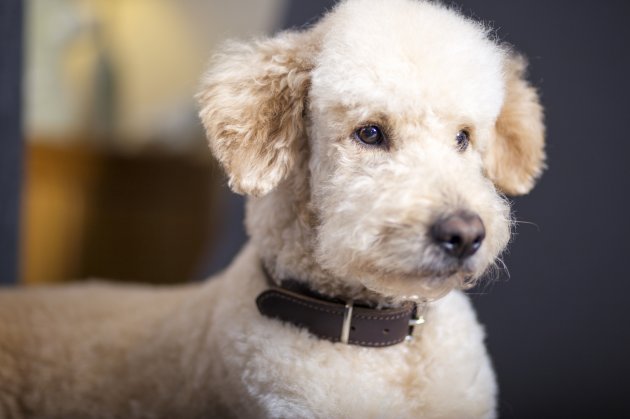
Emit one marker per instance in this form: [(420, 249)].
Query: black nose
[(460, 234)]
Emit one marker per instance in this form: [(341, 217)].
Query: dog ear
[(252, 103), (517, 156)]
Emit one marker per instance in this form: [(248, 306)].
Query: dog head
[(379, 144)]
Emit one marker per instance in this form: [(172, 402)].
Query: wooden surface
[(94, 214)]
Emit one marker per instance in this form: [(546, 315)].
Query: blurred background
[(118, 180), (104, 172)]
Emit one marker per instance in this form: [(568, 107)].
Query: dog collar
[(336, 321)]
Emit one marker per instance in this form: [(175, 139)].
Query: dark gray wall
[(10, 136)]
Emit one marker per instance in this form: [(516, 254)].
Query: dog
[(377, 148)]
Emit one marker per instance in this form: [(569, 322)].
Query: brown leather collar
[(338, 321)]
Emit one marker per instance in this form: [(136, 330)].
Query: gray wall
[(10, 136)]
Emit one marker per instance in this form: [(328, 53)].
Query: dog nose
[(460, 234)]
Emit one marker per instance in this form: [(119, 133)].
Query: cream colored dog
[(374, 148)]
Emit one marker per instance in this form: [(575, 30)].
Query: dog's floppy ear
[(252, 103), (516, 157)]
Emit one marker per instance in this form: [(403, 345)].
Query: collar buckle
[(347, 319), (417, 318)]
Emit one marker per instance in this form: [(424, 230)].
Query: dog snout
[(460, 234)]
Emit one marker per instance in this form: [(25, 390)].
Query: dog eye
[(462, 138), (370, 135)]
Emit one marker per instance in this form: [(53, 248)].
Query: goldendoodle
[(376, 148)]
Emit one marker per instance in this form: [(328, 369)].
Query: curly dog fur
[(349, 219)]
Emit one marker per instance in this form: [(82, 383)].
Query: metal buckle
[(345, 327), (417, 318)]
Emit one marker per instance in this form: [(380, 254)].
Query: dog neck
[(338, 294), (282, 225)]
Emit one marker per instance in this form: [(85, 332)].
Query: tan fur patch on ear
[(252, 103), (517, 156)]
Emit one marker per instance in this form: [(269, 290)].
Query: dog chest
[(284, 371)]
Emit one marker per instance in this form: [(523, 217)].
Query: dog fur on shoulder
[(350, 219)]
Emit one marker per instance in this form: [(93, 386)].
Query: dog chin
[(418, 285)]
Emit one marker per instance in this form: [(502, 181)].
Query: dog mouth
[(436, 266), (448, 267), (430, 280), (440, 274)]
